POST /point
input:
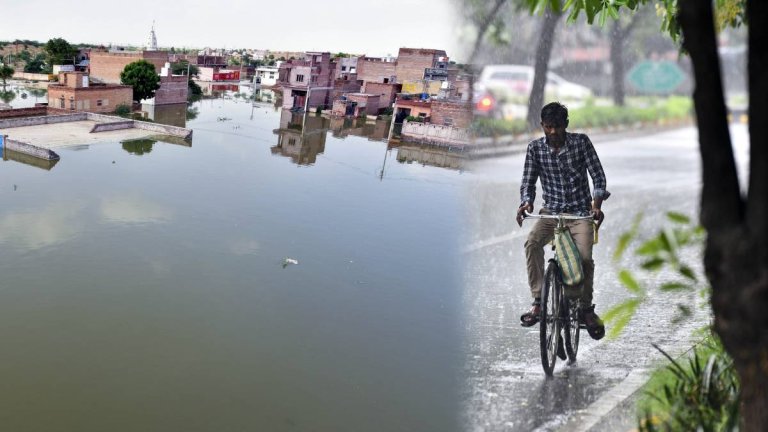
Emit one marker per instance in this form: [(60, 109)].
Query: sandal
[(593, 323), (532, 316)]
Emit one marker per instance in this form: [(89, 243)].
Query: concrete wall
[(30, 150), (23, 112), (427, 133), (118, 125), (34, 121), (32, 76), (417, 87)]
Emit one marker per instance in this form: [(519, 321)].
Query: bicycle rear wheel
[(572, 328), (549, 322)]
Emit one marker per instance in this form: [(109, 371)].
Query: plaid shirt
[(563, 176)]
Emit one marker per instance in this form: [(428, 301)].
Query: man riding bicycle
[(562, 160)]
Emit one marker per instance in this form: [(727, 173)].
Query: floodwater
[(279, 274)]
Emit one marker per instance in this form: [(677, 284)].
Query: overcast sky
[(363, 26)]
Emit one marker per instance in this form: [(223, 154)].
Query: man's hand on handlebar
[(598, 215), (525, 207)]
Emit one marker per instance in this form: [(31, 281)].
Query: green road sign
[(656, 76)]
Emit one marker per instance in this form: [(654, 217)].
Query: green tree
[(736, 253), (60, 52), (36, 64), (7, 96), (183, 68), (6, 72), (141, 75)]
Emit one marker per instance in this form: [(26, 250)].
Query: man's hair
[(554, 113)]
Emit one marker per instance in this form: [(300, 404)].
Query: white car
[(512, 83)]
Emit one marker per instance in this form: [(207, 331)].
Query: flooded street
[(279, 274), (505, 388)]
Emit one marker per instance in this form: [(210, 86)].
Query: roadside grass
[(698, 392)]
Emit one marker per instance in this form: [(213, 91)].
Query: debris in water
[(289, 261)]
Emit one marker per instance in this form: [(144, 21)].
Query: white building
[(267, 75)]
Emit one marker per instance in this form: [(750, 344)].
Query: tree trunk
[(543, 52), (482, 28), (617, 63), (736, 259)]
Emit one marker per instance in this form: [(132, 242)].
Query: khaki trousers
[(541, 234)]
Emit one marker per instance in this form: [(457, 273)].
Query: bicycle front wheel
[(572, 328), (549, 321)]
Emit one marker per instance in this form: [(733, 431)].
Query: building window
[(72, 103), (343, 68), (386, 80), (299, 78), (314, 78), (61, 102), (98, 102)]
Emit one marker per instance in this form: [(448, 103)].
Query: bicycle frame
[(564, 312)]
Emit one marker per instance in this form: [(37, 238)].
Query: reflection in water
[(39, 228), (172, 115), (29, 160), (301, 137), (217, 89), (343, 127), (138, 147), (7, 96), (134, 210), (432, 156)]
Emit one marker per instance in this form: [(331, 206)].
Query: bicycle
[(558, 312)]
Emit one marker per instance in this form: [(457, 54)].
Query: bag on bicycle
[(568, 258)]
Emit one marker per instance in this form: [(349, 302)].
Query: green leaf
[(627, 237), (653, 264), (621, 246), (613, 12), (683, 311), (619, 316), (678, 218), (603, 16), (674, 286), (650, 247), (687, 272), (630, 282)]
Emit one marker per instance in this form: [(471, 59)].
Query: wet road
[(505, 388)]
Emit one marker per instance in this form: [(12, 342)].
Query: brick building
[(356, 105), (451, 113), (310, 77), (376, 69), (412, 107), (413, 62), (75, 92), (388, 92), (105, 66)]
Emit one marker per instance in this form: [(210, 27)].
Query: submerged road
[(504, 385)]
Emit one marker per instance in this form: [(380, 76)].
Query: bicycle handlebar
[(527, 215)]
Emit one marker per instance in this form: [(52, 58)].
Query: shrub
[(701, 394), (123, 110)]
